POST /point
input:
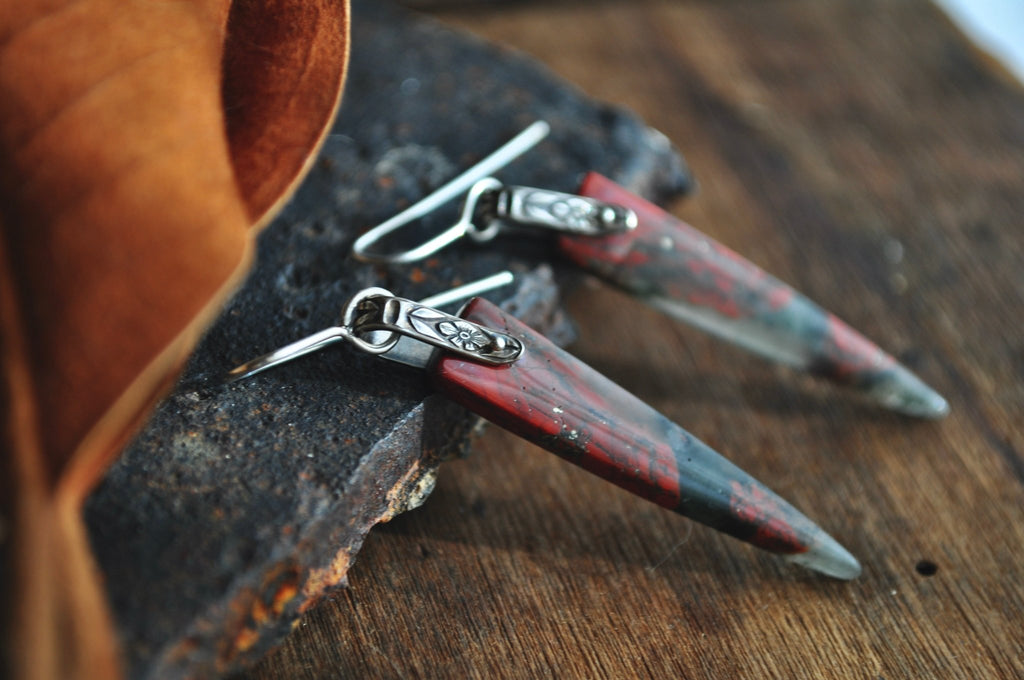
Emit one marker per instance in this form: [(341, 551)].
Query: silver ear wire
[(375, 345), (468, 290), (515, 147)]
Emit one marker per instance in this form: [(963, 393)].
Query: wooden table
[(860, 150)]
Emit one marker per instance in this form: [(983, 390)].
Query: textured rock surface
[(240, 505)]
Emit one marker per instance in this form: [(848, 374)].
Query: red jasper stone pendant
[(554, 400), (502, 370), (685, 273), (662, 260)]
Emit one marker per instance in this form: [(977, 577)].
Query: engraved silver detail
[(463, 335), (377, 320), (490, 205), (562, 212)]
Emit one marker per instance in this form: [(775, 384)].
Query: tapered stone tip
[(904, 392), (828, 557), (929, 405)]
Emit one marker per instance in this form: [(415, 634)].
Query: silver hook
[(419, 320), (508, 152)]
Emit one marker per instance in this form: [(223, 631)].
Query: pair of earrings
[(495, 366)]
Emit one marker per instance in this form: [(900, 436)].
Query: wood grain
[(863, 152)]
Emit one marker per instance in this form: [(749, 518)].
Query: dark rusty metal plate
[(240, 505)]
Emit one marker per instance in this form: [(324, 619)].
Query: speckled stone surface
[(241, 504)]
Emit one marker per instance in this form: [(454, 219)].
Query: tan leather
[(140, 143)]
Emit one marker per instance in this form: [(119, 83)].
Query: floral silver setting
[(566, 213), (377, 319)]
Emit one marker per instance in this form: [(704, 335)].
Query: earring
[(497, 367), (643, 250)]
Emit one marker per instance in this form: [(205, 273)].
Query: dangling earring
[(656, 257), (497, 367)]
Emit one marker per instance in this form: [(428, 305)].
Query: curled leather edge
[(61, 626)]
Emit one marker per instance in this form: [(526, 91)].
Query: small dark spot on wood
[(911, 358), (926, 568), (982, 233)]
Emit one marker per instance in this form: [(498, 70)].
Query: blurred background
[(996, 25)]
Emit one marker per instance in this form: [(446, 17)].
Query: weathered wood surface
[(863, 152)]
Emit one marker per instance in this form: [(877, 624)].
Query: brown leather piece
[(268, 100), (139, 144)]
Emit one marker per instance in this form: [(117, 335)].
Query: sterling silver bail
[(490, 206), (376, 310)]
